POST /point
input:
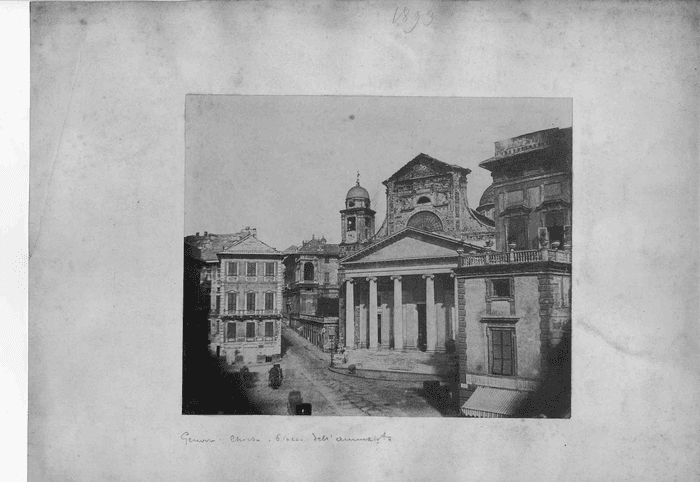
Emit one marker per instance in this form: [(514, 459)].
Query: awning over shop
[(489, 402)]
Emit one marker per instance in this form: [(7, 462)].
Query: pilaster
[(430, 321)]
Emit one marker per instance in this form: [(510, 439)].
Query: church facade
[(431, 195), (398, 288)]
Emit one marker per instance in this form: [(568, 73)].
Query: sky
[(284, 164)]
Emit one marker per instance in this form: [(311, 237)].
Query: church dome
[(357, 192), (487, 197)]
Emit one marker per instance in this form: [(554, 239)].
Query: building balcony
[(527, 256)]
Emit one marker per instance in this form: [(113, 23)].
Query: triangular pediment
[(424, 166), (247, 245), (409, 243)]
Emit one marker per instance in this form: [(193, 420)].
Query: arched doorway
[(425, 221)]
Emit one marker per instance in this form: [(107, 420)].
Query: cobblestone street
[(305, 369)]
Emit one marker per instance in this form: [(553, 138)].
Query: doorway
[(422, 331), (379, 328)]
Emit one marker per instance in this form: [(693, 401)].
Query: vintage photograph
[(377, 256)]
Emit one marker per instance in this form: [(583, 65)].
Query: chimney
[(206, 233), (197, 234)]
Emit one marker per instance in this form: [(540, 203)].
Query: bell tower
[(356, 220)]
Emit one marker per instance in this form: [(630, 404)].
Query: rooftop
[(528, 143), (210, 244), (315, 246)]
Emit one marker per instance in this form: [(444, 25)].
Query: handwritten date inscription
[(409, 20)]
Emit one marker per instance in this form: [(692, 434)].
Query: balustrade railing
[(525, 256), (498, 258), (250, 312)]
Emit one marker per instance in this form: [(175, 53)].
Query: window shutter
[(507, 351), (497, 351)]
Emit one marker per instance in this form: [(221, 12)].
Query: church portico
[(402, 304), (400, 311), (398, 293)]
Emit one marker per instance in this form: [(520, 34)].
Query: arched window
[(425, 221), (424, 200), (308, 272)]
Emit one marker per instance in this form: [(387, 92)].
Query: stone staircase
[(441, 365)]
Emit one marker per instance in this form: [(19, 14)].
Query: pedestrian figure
[(275, 377), (244, 375)]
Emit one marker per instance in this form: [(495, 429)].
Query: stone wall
[(477, 315), (555, 311)]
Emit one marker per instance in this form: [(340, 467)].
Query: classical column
[(373, 338), (398, 314), (386, 329), (349, 314), (430, 321), (453, 333), (363, 317)]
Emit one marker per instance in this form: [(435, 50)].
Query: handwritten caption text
[(283, 438)]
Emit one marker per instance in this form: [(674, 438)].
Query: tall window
[(218, 303), (250, 329), (502, 351), (517, 232), (232, 268), (326, 278), (269, 269), (269, 301), (232, 301), (308, 272), (252, 269), (554, 222), (269, 329), (250, 301), (351, 224), (231, 331)]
